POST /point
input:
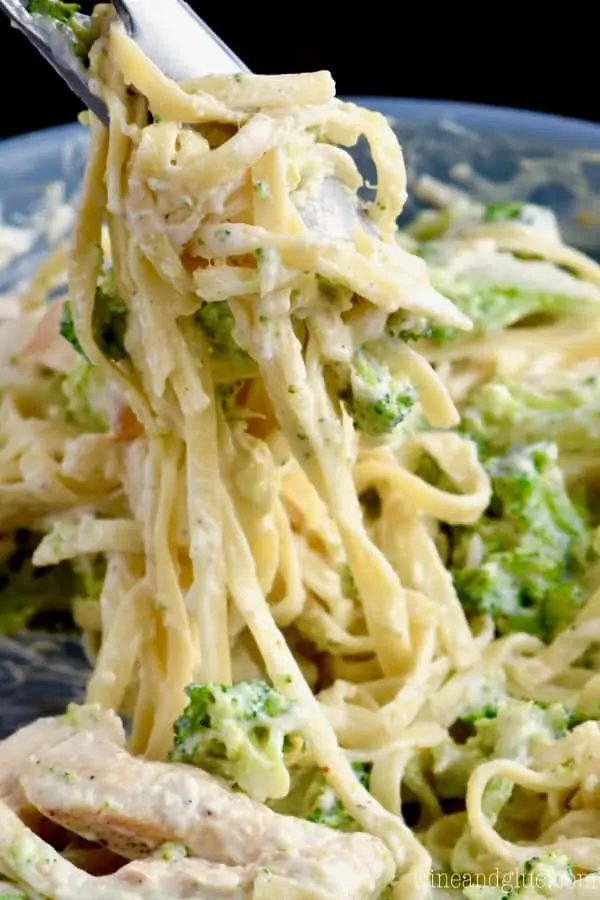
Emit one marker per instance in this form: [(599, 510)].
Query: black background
[(509, 56)]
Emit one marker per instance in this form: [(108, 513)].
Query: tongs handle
[(169, 32), (56, 48), (176, 39)]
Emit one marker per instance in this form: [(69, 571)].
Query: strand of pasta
[(113, 669), (581, 851), (317, 447), (285, 674)]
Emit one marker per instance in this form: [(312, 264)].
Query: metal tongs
[(182, 45), (169, 32)]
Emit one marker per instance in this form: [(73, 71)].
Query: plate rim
[(486, 116)]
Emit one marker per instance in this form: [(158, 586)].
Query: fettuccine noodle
[(229, 496)]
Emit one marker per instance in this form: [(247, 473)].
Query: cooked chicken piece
[(330, 872), (190, 878), (102, 793), (45, 733), (47, 347)]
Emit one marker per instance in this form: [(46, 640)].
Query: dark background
[(483, 54)]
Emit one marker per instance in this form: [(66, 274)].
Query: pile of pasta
[(235, 538)]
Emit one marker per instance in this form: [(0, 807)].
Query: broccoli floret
[(523, 562), (484, 695), (518, 732), (90, 571), (546, 874), (430, 224), (54, 9), (67, 327), (515, 731), (495, 308), (502, 212), (322, 804), (403, 326), (504, 412), (109, 323), (227, 394), (474, 715), (376, 400), (464, 213), (429, 470), (80, 29), (84, 389), (26, 590), (511, 290), (490, 725), (541, 218), (217, 322), (539, 878), (247, 733), (310, 797)]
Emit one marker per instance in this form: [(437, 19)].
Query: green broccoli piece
[(497, 307), (53, 9), (540, 218), (430, 224), (540, 878), (217, 322), (464, 213), (84, 389), (81, 30), (90, 571), (474, 715), (109, 323), (404, 326), (27, 590), (322, 804), (523, 562), (227, 394), (515, 731), (376, 400), (67, 327), (482, 700), (246, 733), (502, 212), (504, 412), (430, 471), (311, 798)]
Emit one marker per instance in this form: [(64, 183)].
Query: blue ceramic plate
[(497, 154)]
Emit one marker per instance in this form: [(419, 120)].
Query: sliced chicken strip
[(316, 873), (35, 865), (328, 872), (133, 806), (46, 733), (189, 878)]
